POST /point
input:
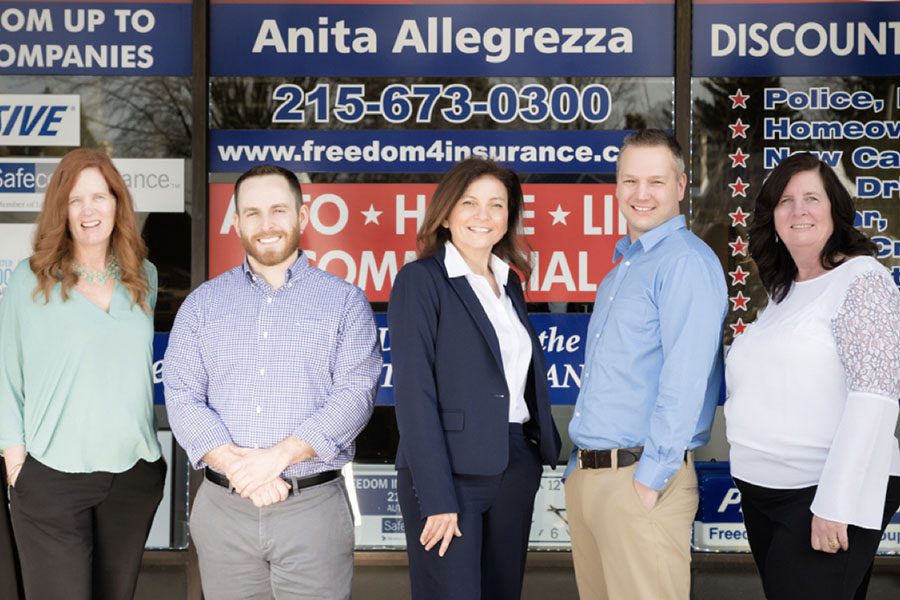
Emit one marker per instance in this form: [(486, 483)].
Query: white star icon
[(559, 215), (371, 215)]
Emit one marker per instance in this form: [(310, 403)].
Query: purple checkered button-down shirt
[(252, 365)]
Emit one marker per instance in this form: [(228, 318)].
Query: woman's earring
[(776, 239)]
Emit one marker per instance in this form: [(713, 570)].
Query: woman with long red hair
[(77, 426)]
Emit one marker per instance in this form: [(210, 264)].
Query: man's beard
[(277, 254)]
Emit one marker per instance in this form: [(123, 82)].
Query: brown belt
[(603, 459)]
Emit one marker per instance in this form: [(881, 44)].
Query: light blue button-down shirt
[(653, 360)]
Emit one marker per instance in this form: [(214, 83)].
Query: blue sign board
[(763, 39), (414, 151), (102, 38), (288, 39)]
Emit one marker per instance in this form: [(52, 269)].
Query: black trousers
[(81, 536), (488, 561), (779, 528), (10, 580)]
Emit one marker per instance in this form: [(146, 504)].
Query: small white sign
[(156, 184), (40, 120), (15, 246)]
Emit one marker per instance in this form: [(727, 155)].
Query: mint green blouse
[(75, 382)]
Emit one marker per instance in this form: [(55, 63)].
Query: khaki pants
[(621, 550)]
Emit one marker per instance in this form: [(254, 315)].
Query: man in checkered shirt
[(270, 375)]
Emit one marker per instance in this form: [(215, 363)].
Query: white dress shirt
[(515, 343)]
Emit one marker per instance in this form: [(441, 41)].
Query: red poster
[(364, 233)]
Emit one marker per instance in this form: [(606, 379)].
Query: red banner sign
[(364, 233)]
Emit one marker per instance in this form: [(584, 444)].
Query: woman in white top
[(470, 392), (813, 389)]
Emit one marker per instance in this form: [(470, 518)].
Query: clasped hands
[(256, 473)]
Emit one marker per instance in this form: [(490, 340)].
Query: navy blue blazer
[(450, 391)]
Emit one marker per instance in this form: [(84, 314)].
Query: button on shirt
[(653, 361), (250, 365), (515, 343)]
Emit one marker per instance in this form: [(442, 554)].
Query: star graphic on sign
[(738, 158), (738, 327), (738, 246), (738, 129), (738, 217), (739, 188), (738, 276), (371, 215), (559, 215), (739, 302), (739, 99)]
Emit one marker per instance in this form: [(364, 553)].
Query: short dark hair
[(776, 267), (260, 170), (655, 137), (433, 235)]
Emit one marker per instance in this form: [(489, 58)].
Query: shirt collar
[(651, 238), (294, 270), (457, 267)]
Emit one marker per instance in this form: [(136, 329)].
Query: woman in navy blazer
[(471, 393)]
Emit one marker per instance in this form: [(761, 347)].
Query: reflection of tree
[(136, 116), (712, 171)]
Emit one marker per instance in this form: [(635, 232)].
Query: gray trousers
[(299, 548)]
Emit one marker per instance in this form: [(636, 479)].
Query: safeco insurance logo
[(40, 120), (25, 177), (156, 184)]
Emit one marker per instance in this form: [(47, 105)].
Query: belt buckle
[(580, 463)]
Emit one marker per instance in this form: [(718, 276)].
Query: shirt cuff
[(653, 474), (203, 444), (10, 442), (325, 449)]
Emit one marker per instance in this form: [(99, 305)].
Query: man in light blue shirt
[(649, 389)]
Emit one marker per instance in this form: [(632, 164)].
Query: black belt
[(294, 483), (602, 459)]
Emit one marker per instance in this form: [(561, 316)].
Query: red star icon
[(738, 276), (739, 99), (738, 188), (738, 158), (738, 129), (738, 246), (739, 302), (738, 327), (738, 217)]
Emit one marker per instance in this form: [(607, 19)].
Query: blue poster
[(562, 337)]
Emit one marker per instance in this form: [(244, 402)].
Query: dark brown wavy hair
[(777, 269), (433, 235), (53, 245)]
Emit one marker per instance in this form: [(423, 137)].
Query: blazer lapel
[(518, 302), (465, 292)]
